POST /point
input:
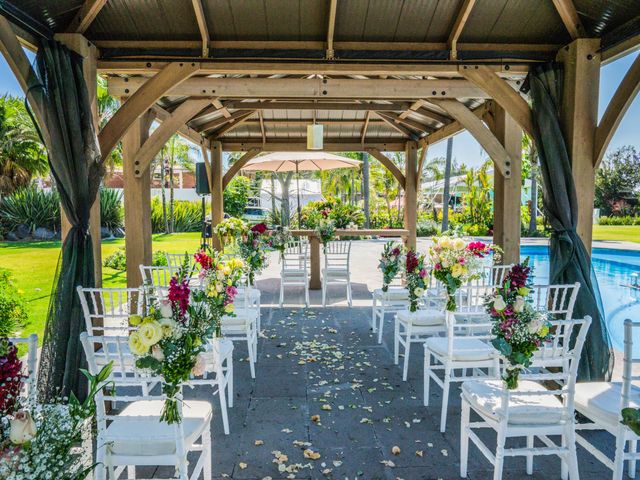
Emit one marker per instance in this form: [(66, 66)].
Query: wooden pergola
[(380, 75)]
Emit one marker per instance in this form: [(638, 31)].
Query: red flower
[(203, 259), (179, 293), (259, 228), (479, 249), (412, 261), (10, 379)]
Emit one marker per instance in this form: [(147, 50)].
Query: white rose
[(535, 324), (199, 367), (157, 353), (418, 291), (22, 428), (459, 244), (165, 310), (518, 305), (498, 304)]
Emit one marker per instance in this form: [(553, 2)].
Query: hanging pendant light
[(315, 134)]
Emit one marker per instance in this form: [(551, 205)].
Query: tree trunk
[(171, 165), (447, 180), (273, 193), (365, 189), (534, 190), (285, 183), (163, 183)]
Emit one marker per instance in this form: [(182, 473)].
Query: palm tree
[(22, 155), (107, 106)]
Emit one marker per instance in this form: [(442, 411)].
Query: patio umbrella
[(299, 162)]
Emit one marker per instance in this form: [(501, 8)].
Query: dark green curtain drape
[(569, 260), (74, 158)]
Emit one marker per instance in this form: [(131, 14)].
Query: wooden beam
[(503, 93), (365, 125), (458, 25), (421, 160), (317, 106), (219, 106), (333, 5), (617, 107), (164, 132), (207, 163), (389, 165), (145, 95), (263, 132), (427, 111), (202, 26), (453, 127), (184, 131), (23, 72), (238, 165), (86, 15), (234, 144), (569, 15), (390, 121), (220, 121), (480, 132), (230, 126), (316, 88), (411, 194), (217, 196)]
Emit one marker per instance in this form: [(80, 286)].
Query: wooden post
[(507, 190), (80, 45), (217, 199), (411, 193), (579, 117), (137, 203), (315, 282)]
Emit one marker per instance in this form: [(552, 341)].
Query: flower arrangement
[(326, 231), (253, 250), (52, 440), (456, 262), (10, 377), (220, 280), (230, 230), (519, 329), (390, 263), (169, 340), (417, 276), (278, 239)]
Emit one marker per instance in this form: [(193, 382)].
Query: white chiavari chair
[(107, 310), (243, 326), (155, 280), (295, 268), (558, 300), (394, 300), (336, 271)]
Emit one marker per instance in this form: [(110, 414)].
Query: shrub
[(619, 220), (159, 258), (118, 260), (187, 216), (13, 307), (427, 228), (380, 219), (33, 207), (341, 214), (111, 212), (236, 196)]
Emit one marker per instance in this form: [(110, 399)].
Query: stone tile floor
[(324, 385)]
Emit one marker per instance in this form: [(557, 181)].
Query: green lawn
[(33, 264), (624, 233)]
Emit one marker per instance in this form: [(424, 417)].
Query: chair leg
[(427, 377), (230, 381), (407, 349), (529, 455), (131, 472), (206, 451), (223, 402), (633, 447), (396, 341), (499, 459), (572, 457), (445, 397), (324, 292), (281, 293), (374, 317), (306, 294), (464, 438), (380, 313), (349, 295), (618, 462)]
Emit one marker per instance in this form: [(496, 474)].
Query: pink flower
[(423, 273), (438, 266), (203, 259), (231, 291), (179, 293)]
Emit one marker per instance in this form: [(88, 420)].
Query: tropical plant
[(618, 182), (111, 212), (187, 216), (334, 209), (236, 196), (31, 206), (13, 307), (386, 186), (477, 211), (22, 155)]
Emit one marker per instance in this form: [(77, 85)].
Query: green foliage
[(32, 207), (621, 220), (187, 216), (13, 308), (427, 228), (236, 196), (111, 212), (118, 260), (618, 182), (382, 218), (477, 211), (159, 258), (341, 214)]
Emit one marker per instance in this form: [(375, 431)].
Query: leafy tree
[(236, 196), (477, 205), (618, 181), (22, 155), (385, 184), (107, 106)]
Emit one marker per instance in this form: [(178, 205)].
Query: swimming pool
[(614, 269)]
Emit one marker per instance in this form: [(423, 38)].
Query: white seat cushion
[(600, 401), (422, 318), (485, 396), (147, 435), (253, 294), (393, 293), (335, 272), (242, 315), (464, 349)]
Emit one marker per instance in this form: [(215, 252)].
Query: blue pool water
[(614, 269)]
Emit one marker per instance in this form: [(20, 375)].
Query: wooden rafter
[(263, 132), (202, 26), (452, 128), (617, 107), (480, 132), (427, 111), (458, 25), (86, 15), (569, 15), (163, 133), (365, 125), (238, 165), (389, 165), (220, 107), (207, 163), (421, 160), (390, 121), (241, 144), (317, 88), (230, 126), (218, 122), (331, 27), (184, 131), (392, 106), (141, 100), (502, 92)]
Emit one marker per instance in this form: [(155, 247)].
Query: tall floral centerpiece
[(456, 262), (220, 280), (230, 230), (278, 239), (169, 340), (326, 231), (417, 277), (253, 250), (519, 329), (44, 441), (390, 263)]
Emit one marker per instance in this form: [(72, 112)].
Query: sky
[(465, 149)]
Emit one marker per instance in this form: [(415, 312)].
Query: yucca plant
[(33, 207), (187, 216), (111, 213)]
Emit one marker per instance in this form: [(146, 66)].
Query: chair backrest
[(558, 300), (337, 254), (461, 325), (156, 279), (470, 299), (555, 364), (176, 260), (628, 378), (294, 256), (30, 369), (107, 310)]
